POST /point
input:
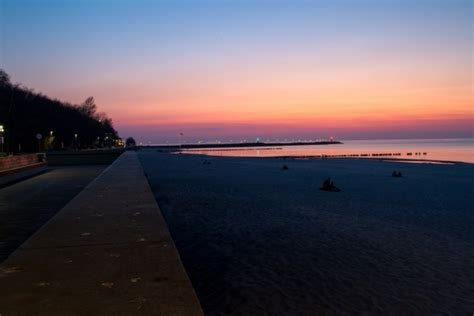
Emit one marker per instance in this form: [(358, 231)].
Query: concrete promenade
[(7, 179), (28, 204), (107, 252)]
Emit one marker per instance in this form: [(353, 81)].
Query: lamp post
[(1, 138), (39, 137), (51, 140), (75, 140)]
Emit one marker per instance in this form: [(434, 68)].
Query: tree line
[(32, 121)]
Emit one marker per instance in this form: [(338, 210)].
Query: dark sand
[(256, 239), (25, 206)]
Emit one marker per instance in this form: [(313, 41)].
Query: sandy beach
[(256, 239)]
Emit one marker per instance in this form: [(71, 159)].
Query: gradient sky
[(245, 69)]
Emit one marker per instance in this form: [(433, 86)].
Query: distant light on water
[(461, 150)]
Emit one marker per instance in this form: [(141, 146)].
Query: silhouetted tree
[(130, 142), (25, 113), (4, 78), (88, 107)]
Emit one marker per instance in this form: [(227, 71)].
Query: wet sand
[(256, 239)]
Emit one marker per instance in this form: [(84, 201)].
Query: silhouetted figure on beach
[(206, 162), (329, 186), (397, 174), (285, 167)]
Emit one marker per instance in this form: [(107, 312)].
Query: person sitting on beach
[(397, 174), (328, 185)]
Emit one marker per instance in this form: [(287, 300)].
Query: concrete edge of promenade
[(107, 252), (83, 157), (22, 174)]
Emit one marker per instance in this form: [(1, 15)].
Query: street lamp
[(1, 138), (51, 133), (75, 140)]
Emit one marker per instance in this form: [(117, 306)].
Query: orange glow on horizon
[(286, 95), (332, 107), (214, 68)]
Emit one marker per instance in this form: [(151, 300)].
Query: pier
[(243, 144)]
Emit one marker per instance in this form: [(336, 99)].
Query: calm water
[(421, 149)]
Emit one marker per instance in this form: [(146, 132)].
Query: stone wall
[(18, 161)]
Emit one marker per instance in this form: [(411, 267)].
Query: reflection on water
[(415, 149)]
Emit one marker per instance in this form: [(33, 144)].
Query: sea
[(424, 150)]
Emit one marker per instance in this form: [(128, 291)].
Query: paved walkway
[(25, 206), (108, 251), (17, 176)]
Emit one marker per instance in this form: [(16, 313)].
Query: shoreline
[(336, 157), (422, 151), (402, 160)]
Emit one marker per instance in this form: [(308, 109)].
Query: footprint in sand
[(107, 284), (43, 284)]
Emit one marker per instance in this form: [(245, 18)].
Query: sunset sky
[(245, 69)]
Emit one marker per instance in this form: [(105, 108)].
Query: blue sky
[(162, 63)]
